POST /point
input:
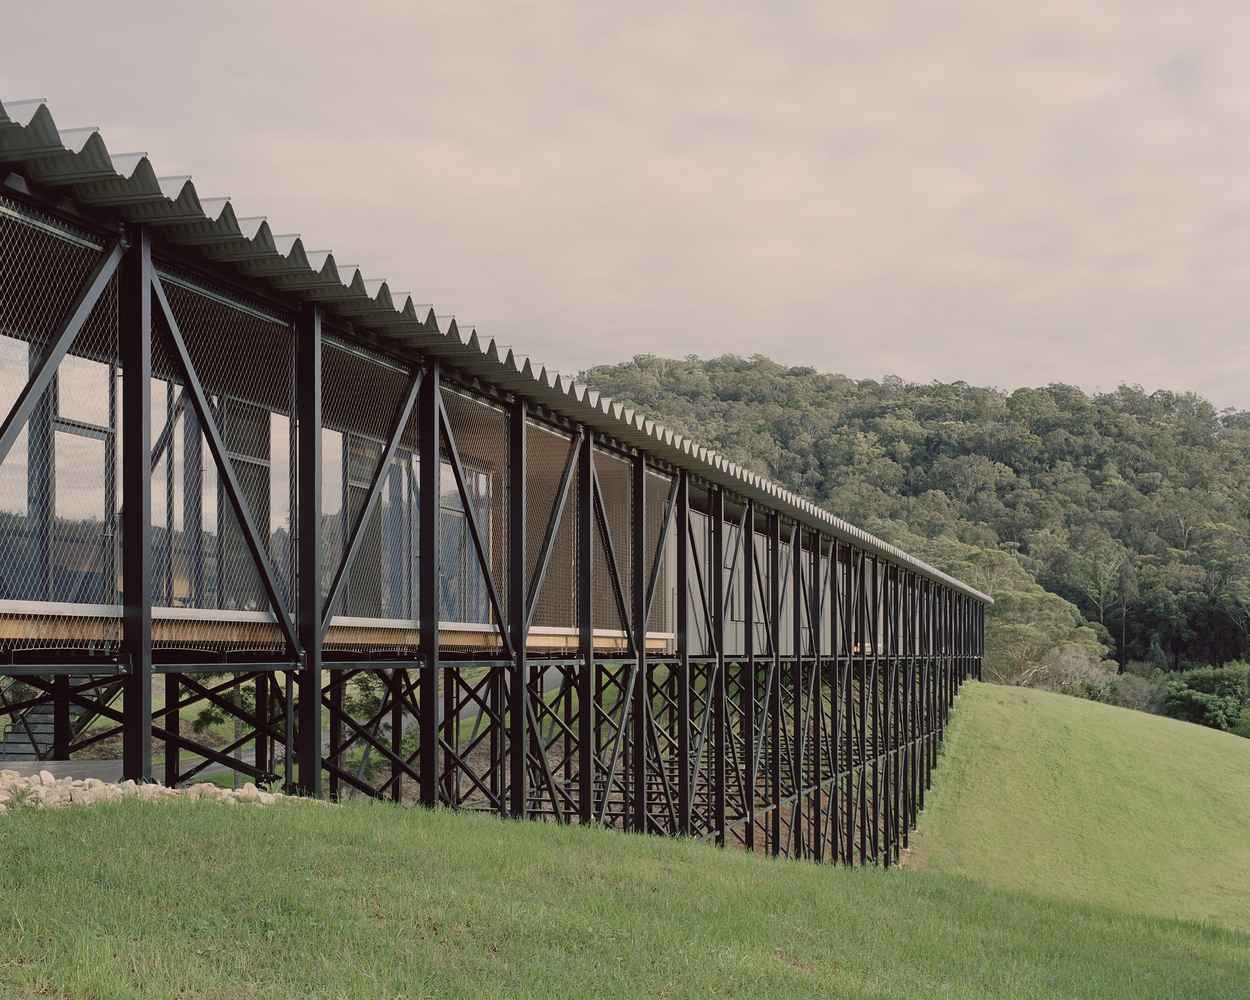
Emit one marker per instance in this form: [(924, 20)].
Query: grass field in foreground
[(1089, 803), (369, 900)]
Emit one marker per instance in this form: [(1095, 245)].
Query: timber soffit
[(126, 186)]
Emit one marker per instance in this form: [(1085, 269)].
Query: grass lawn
[(371, 900), (1089, 803)]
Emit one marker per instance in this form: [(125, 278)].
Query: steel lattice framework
[(400, 562)]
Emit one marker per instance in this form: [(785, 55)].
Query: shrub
[(1213, 710), (1142, 693)]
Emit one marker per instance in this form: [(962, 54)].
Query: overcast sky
[(1008, 194)]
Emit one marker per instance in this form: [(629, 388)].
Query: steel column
[(716, 692), (518, 690), (428, 578), (796, 689), (748, 689), (640, 570), (586, 634), (773, 694), (135, 350), (308, 397), (684, 798)]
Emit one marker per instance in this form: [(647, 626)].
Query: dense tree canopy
[(1132, 508)]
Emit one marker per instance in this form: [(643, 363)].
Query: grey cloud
[(1008, 195)]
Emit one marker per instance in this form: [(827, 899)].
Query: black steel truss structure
[(405, 567)]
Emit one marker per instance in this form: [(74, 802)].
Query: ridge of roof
[(127, 186)]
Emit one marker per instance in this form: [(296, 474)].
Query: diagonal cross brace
[(733, 569), (625, 704), (703, 603), (62, 340), (605, 536), (354, 544), (234, 491), (471, 518), (670, 515), (167, 432)]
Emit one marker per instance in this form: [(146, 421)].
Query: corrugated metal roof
[(127, 186)]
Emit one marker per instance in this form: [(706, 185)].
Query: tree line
[(1104, 526)]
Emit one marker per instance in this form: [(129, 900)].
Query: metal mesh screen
[(663, 608), (57, 487), (698, 588), (614, 476), (244, 358), (361, 392), (480, 431), (548, 454), (734, 579)]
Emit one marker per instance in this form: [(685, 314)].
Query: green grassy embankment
[(1088, 803), (369, 900)]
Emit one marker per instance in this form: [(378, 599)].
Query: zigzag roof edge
[(84, 168)]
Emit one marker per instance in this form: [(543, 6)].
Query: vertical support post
[(165, 585), (838, 700), (638, 615), (874, 638), (60, 718), (173, 723), (889, 713), (308, 586), (906, 651), (846, 649), (716, 512), (261, 743), (398, 680), (336, 728), (288, 784), (109, 593), (41, 482), (193, 506), (428, 586), (774, 690), (747, 689), (135, 350), (683, 653), (518, 586), (797, 749), (860, 638), (816, 706), (586, 634)]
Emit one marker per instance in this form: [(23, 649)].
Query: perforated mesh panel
[(663, 608), (479, 429), (57, 489), (548, 456), (361, 392), (614, 483)]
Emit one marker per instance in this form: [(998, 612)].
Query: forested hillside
[(1134, 508)]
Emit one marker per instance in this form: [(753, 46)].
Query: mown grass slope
[(201, 900), (1085, 802)]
